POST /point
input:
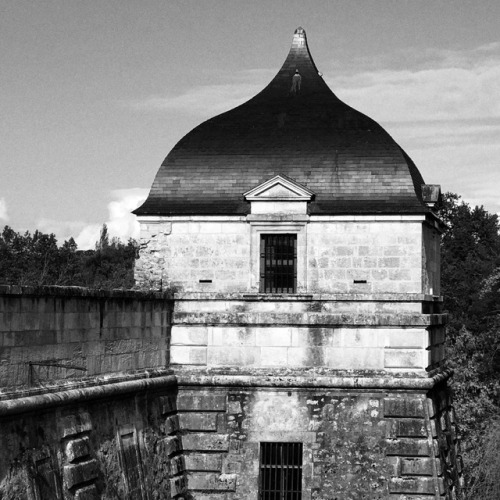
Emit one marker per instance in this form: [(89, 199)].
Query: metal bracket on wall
[(52, 364)]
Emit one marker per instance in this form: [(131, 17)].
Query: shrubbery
[(471, 287), (36, 259)]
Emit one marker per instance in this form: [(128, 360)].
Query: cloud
[(121, 222), (441, 107), (3, 210), (453, 86), (212, 99)]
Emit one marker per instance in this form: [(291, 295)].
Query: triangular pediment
[(279, 188)]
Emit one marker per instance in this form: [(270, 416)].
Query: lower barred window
[(280, 471)]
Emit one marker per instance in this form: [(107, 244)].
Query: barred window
[(280, 471), (278, 263)]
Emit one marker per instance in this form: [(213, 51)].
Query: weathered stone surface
[(198, 421), (405, 358), (79, 332), (177, 465), (172, 424), (420, 485), (170, 445), (182, 335), (168, 404), (75, 423), (80, 473), (77, 448), (203, 402), (385, 253), (188, 355), (403, 407), (418, 466), (205, 442), (203, 462), (411, 427), (87, 493), (408, 447), (178, 485), (212, 482)]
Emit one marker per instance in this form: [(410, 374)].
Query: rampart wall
[(65, 333), (90, 407)]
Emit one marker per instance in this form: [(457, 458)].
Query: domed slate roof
[(296, 127)]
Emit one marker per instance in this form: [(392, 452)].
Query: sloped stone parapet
[(78, 291), (81, 394)]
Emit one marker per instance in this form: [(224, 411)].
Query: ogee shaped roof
[(307, 134)]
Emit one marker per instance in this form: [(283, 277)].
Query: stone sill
[(338, 297)]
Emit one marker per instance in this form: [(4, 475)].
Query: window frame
[(260, 226), (278, 263)]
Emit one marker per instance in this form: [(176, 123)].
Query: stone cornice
[(162, 379)]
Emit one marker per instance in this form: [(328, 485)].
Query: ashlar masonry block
[(80, 473), (188, 355), (201, 402), (418, 466), (208, 462), (205, 442), (405, 358), (189, 335), (404, 407), (274, 337), (212, 482), (198, 421)]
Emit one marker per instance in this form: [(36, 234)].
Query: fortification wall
[(83, 385), (68, 333), (134, 428)]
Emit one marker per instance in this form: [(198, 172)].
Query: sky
[(95, 93)]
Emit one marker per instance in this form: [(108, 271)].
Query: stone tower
[(307, 334)]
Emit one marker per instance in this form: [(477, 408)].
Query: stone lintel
[(255, 219)]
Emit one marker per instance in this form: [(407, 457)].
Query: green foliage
[(486, 482), (36, 260), (470, 281)]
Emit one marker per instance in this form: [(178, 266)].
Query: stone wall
[(364, 254), (357, 444), (431, 260), (198, 436), (202, 254), (365, 332), (357, 379), (115, 444), (66, 333)]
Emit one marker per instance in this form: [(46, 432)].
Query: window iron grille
[(280, 471), (278, 263)]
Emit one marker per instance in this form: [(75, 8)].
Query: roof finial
[(299, 37)]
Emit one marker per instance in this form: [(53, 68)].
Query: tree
[(470, 270), (36, 260)]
